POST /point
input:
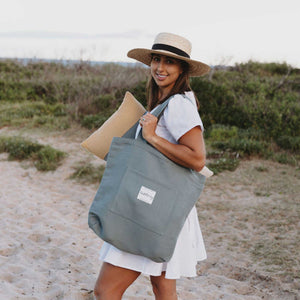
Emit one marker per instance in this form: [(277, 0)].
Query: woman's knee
[(108, 292), (98, 292), (102, 292), (163, 287), (113, 282)]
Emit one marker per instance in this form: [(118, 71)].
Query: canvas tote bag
[(144, 198)]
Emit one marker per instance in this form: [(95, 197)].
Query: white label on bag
[(146, 195)]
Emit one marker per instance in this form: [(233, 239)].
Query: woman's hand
[(148, 123)]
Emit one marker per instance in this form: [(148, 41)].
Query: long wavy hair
[(181, 85)]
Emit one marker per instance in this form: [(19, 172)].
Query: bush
[(50, 122), (102, 102), (139, 92), (253, 95), (46, 158), (214, 101), (220, 132), (244, 108), (87, 173), (289, 142), (24, 112), (242, 146), (18, 147), (80, 85), (263, 68), (223, 164), (285, 158), (93, 121)]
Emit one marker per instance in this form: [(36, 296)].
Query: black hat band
[(170, 49)]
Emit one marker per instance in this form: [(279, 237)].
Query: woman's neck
[(162, 94)]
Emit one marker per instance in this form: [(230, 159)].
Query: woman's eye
[(155, 58), (170, 61)]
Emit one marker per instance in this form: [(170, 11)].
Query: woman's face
[(165, 71)]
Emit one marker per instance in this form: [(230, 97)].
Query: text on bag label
[(146, 195)]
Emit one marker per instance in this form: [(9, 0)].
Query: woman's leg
[(164, 289), (113, 282)]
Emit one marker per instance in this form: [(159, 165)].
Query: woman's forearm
[(179, 153)]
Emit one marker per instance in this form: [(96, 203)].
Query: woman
[(178, 135)]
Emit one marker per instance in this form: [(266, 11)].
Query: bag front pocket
[(143, 201)]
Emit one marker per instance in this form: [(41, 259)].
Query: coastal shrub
[(264, 97), (252, 134), (263, 68), (93, 121), (77, 84), (103, 102), (289, 142), (214, 101), (242, 146), (18, 147), (87, 173), (33, 113), (286, 158), (26, 110), (220, 132), (247, 109), (45, 157), (139, 92), (225, 163), (50, 122)]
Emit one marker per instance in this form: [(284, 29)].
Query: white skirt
[(188, 251)]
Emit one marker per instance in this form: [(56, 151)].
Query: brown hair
[(181, 85)]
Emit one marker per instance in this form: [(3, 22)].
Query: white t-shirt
[(179, 117)]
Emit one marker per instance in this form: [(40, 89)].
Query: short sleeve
[(181, 115)]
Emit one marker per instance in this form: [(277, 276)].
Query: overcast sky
[(221, 31)]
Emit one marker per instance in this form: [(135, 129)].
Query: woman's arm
[(190, 152)]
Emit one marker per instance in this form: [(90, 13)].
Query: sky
[(221, 31)]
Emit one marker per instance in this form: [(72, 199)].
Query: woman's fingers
[(148, 119), (149, 123)]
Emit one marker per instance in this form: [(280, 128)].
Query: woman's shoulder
[(181, 114), (184, 101)]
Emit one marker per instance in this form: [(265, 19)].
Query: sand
[(47, 250)]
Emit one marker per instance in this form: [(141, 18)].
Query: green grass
[(34, 114), (87, 173), (228, 144), (223, 164), (45, 157), (261, 169)]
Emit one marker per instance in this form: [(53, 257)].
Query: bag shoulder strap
[(130, 134), (158, 111)]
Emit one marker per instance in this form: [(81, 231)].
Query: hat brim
[(144, 56)]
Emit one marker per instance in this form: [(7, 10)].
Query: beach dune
[(47, 250)]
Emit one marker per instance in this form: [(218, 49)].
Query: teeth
[(161, 76)]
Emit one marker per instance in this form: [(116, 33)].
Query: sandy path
[(47, 250)]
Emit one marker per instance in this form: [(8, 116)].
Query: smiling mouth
[(159, 76)]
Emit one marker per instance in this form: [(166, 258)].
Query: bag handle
[(160, 108), (158, 111)]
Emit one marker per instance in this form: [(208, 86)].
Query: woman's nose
[(160, 65)]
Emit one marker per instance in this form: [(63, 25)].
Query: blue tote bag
[(144, 198)]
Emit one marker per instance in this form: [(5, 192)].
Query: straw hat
[(170, 45)]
